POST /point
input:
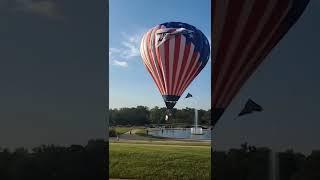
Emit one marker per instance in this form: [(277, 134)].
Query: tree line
[(142, 115), (53, 162), (252, 163)]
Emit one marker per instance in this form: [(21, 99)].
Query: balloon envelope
[(244, 32), (174, 53)]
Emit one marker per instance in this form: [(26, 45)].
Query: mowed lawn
[(159, 161), (122, 130)]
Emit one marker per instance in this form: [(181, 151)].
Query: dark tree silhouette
[(56, 162), (252, 163)]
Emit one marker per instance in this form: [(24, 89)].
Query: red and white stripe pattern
[(244, 32), (173, 63)]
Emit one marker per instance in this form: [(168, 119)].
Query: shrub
[(112, 133)]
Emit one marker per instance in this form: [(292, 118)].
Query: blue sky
[(130, 84)]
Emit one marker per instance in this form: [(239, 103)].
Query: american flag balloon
[(244, 32), (174, 53)]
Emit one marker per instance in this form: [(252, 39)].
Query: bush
[(112, 133)]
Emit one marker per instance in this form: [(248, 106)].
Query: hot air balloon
[(244, 32), (174, 53)]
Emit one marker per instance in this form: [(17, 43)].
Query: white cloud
[(120, 63), (131, 50), (128, 50), (131, 45), (113, 51)]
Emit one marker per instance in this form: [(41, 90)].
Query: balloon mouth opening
[(170, 104), (170, 100)]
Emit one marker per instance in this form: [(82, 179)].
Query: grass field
[(122, 130), (186, 161)]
